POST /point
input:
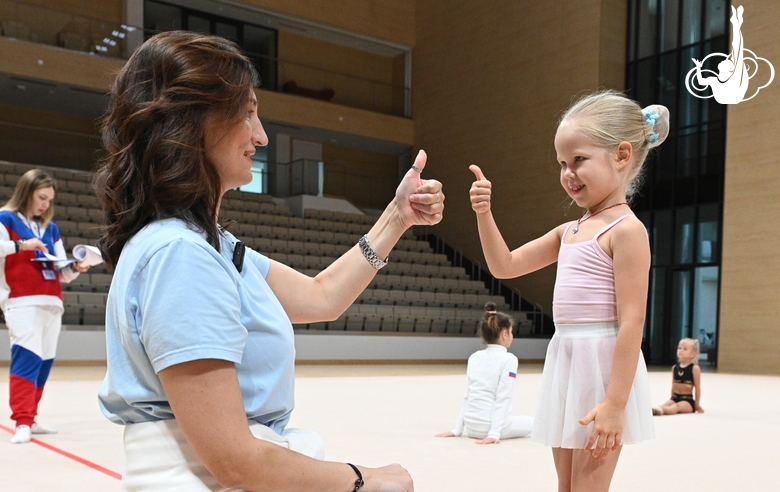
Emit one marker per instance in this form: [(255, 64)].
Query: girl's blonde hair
[(493, 323), (608, 118), (32, 180), (694, 343)]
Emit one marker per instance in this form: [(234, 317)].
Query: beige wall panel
[(335, 58), (750, 284), (612, 52), (286, 108), (489, 85), (390, 20), (43, 62), (370, 177), (70, 141), (107, 10), (47, 119), (358, 78)]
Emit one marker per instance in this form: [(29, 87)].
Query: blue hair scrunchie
[(650, 118)]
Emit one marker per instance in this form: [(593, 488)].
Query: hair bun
[(657, 121), (490, 308)]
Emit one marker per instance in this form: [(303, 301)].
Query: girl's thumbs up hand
[(480, 191)]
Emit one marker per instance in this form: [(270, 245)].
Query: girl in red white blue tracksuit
[(30, 294)]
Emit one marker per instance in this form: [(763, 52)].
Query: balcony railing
[(103, 38)]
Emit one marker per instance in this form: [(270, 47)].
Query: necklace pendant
[(576, 228)]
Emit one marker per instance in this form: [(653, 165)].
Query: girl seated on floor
[(686, 379), (491, 378)]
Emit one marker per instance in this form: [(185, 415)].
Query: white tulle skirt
[(576, 374)]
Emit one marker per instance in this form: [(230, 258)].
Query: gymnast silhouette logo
[(730, 84)]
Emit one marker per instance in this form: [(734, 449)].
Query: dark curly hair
[(156, 167)]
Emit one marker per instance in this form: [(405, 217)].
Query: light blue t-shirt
[(175, 299)]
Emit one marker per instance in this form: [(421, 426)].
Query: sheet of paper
[(60, 261), (83, 254), (87, 255)]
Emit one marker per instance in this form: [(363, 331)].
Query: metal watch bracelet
[(370, 254)]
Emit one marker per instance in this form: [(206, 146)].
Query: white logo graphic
[(730, 84)]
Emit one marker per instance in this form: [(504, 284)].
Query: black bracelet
[(18, 246), (359, 482)]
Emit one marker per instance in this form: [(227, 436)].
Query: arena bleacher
[(419, 291)]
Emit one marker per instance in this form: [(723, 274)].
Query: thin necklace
[(583, 218)]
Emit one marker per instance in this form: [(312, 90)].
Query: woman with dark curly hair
[(200, 340)]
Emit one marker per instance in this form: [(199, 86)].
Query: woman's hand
[(489, 440), (33, 244), (420, 201), (607, 433), (480, 191), (78, 268), (390, 478), (445, 434), (699, 408)]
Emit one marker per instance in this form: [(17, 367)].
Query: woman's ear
[(623, 155)]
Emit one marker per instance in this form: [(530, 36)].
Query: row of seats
[(427, 299), (90, 309), (83, 230), (241, 209), (92, 281), (247, 223), (78, 214), (256, 240), (62, 198), (413, 320), (63, 185), (433, 284), (334, 216), (267, 246), (84, 308), (315, 264), (14, 170)]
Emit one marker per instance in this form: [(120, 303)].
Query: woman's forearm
[(343, 281), (334, 289)]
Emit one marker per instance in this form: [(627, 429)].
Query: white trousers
[(516, 426), (36, 328), (159, 458), (34, 331)]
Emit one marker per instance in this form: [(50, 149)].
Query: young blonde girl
[(595, 392), (485, 414), (686, 379)]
